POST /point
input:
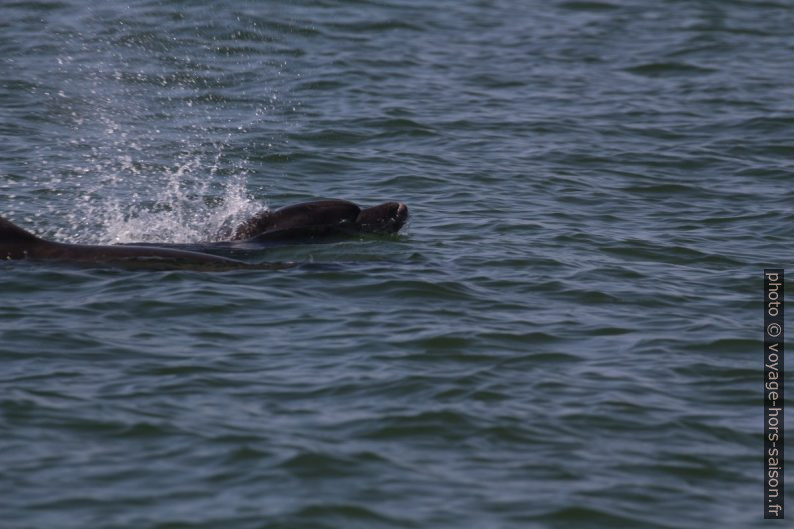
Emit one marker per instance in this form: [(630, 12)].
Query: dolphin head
[(322, 219), (388, 217)]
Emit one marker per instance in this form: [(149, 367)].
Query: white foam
[(139, 163)]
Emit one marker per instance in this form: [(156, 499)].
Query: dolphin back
[(10, 232)]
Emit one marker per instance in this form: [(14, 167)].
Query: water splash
[(143, 145), (180, 212), (127, 198)]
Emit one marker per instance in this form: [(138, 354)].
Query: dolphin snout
[(388, 217)]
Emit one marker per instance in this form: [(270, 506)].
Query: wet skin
[(306, 222), (315, 220)]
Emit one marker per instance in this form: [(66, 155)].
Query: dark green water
[(567, 334)]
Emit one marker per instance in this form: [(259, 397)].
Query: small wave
[(588, 6), (666, 69)]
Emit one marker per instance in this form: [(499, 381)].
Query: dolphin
[(314, 221), (17, 243), (321, 219)]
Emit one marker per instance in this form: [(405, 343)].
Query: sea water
[(566, 334)]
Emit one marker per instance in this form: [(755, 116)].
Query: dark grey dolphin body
[(16, 243), (316, 221)]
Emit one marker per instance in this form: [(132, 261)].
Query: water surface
[(567, 334)]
